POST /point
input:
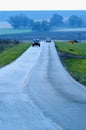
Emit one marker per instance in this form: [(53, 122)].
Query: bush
[(5, 43)]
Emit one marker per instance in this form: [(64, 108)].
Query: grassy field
[(76, 49), (13, 31), (10, 54), (75, 66), (26, 34)]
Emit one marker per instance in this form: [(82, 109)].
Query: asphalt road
[(37, 93)]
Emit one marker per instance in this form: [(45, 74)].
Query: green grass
[(13, 31), (78, 48), (10, 54), (75, 66)]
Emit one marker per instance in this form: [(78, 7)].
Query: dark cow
[(76, 41), (73, 41)]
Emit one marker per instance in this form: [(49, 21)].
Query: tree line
[(55, 21)]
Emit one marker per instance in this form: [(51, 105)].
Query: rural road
[(37, 93)]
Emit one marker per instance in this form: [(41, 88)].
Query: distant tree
[(36, 26), (18, 21), (83, 21), (75, 21), (25, 21), (40, 26), (56, 20), (31, 24), (45, 26), (15, 21)]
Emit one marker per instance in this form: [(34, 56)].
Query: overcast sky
[(42, 5)]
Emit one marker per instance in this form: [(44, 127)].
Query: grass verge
[(76, 49), (75, 66), (10, 54)]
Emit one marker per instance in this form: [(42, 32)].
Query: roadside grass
[(76, 49), (75, 66), (10, 54)]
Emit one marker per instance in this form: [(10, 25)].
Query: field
[(13, 31), (24, 34), (76, 49), (73, 58)]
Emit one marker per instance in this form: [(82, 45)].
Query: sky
[(42, 5)]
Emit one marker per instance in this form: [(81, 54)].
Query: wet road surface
[(37, 93)]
